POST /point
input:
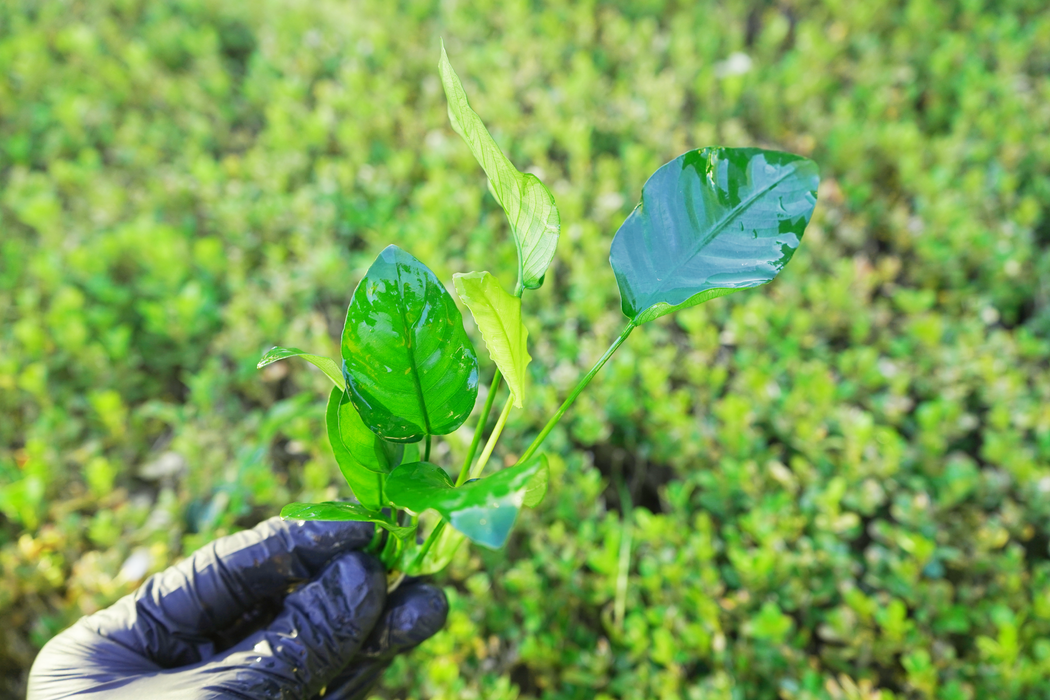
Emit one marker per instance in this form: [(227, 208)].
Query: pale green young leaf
[(325, 364), (529, 205), (498, 315)]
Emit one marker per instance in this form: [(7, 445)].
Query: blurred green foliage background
[(842, 480)]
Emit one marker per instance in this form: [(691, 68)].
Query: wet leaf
[(335, 511), (366, 484), (711, 222), (410, 367), (325, 364), (484, 509), (365, 447), (498, 315), (529, 205)]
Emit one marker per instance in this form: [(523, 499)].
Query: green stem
[(431, 539), (426, 452), (479, 429), (493, 439), (576, 392)]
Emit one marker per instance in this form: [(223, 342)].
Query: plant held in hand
[(710, 222)]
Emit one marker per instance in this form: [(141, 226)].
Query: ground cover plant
[(711, 222), (828, 487)]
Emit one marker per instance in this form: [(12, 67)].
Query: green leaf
[(409, 365), (529, 205), (711, 222), (343, 512), (365, 447), (367, 485), (537, 486), (484, 509), (498, 316), (325, 364)]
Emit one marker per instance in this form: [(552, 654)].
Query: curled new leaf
[(343, 512), (410, 368), (529, 205), (498, 315), (711, 222), (484, 510), (325, 364)]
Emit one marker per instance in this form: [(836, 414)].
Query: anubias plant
[(710, 222)]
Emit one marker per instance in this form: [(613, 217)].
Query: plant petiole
[(493, 439), (431, 539), (479, 429), (580, 386), (426, 451)]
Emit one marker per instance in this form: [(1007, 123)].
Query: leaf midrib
[(410, 351), (705, 241)]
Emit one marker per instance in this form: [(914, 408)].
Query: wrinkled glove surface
[(284, 611)]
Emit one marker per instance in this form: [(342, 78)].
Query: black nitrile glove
[(205, 628)]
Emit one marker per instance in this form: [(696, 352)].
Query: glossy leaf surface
[(343, 512), (529, 205), (498, 315), (367, 485), (365, 447), (325, 364), (410, 367), (484, 510), (711, 222)]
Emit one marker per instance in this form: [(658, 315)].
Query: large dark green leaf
[(367, 449), (325, 364), (410, 367), (366, 484), (484, 510), (711, 222), (343, 512)]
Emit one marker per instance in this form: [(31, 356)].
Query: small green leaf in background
[(325, 364), (366, 484), (367, 449), (484, 510), (529, 205), (498, 315), (410, 367), (711, 222), (342, 512)]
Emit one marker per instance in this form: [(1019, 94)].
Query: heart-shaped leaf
[(711, 222), (344, 512), (366, 484), (484, 510), (529, 205), (498, 316), (367, 449), (410, 368), (325, 364)]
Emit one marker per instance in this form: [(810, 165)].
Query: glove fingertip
[(413, 615)]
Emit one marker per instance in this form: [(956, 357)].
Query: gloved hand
[(226, 623)]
